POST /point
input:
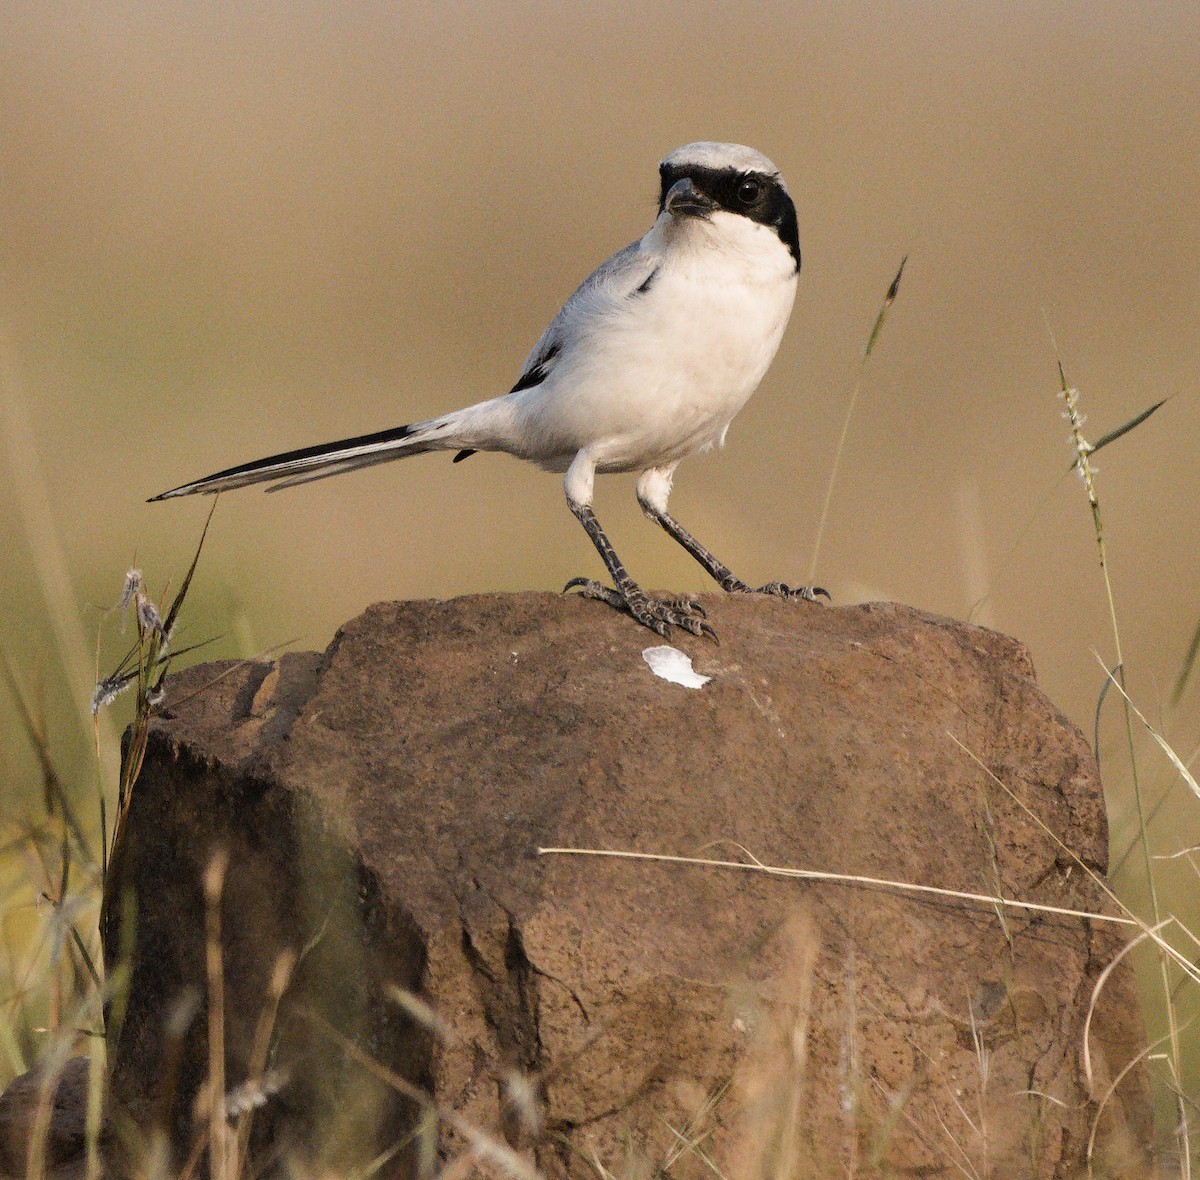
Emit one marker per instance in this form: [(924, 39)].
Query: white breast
[(652, 376)]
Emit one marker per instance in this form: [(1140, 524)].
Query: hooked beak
[(685, 200)]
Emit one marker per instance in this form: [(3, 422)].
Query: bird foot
[(780, 590), (659, 614)]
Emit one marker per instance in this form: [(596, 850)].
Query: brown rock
[(383, 805), (50, 1119)]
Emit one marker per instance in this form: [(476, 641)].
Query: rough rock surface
[(383, 804), (48, 1111)]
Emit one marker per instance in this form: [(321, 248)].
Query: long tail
[(310, 463)]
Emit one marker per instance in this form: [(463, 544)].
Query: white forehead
[(721, 155)]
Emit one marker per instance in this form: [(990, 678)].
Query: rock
[(382, 806), (61, 1135)]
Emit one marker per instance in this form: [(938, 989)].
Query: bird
[(646, 363)]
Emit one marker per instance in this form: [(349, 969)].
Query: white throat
[(725, 244)]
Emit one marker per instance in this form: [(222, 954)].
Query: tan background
[(230, 232)]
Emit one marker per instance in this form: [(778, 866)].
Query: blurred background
[(232, 230)]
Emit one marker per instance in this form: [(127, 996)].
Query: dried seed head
[(131, 588), (148, 617), (108, 690), (254, 1092)]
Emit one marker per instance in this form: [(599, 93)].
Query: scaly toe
[(783, 590), (688, 622), (687, 605), (661, 616), (657, 615), (590, 588)]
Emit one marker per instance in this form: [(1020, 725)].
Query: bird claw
[(597, 590), (657, 614), (587, 584), (685, 604), (782, 590)]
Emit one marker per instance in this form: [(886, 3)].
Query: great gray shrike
[(646, 363)]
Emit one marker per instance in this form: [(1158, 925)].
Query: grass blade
[(173, 613), (888, 300), (1108, 682), (1185, 672), (1113, 435)]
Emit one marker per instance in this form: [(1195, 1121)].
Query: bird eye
[(749, 191)]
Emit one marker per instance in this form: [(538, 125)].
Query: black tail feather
[(298, 463)]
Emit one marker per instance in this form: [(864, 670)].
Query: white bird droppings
[(671, 664)]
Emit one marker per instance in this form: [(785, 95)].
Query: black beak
[(686, 200)]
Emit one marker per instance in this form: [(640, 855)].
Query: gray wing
[(627, 273)]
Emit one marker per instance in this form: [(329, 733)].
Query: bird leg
[(659, 615), (717, 570)]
